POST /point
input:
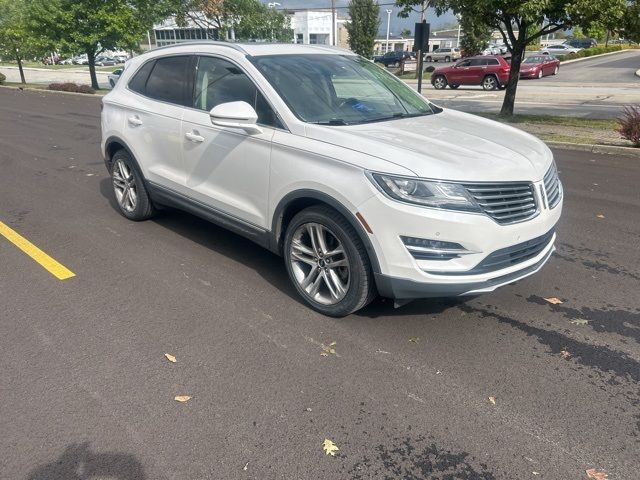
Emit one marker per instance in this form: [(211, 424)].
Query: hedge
[(71, 87), (589, 52), (2, 78)]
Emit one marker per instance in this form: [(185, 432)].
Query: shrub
[(629, 124), (71, 87), (589, 52), (2, 78)]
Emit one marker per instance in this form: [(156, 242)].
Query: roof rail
[(218, 43)]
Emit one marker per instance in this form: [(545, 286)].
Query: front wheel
[(428, 59), (540, 74), (129, 189), (447, 59), (439, 82), (489, 83), (327, 262), (557, 69)]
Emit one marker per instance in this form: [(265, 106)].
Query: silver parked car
[(445, 54)]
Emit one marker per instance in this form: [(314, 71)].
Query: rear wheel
[(489, 83), (447, 59), (129, 189), (429, 59), (439, 82), (327, 262)]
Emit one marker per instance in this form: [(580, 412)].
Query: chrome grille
[(552, 186), (505, 202)]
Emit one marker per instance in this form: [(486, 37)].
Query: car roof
[(255, 49)]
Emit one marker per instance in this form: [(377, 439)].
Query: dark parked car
[(489, 71), (539, 66), (105, 62), (582, 43), (392, 59)]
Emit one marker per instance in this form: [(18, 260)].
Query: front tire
[(439, 82), (128, 187), (557, 69), (540, 74), (447, 59), (327, 262)]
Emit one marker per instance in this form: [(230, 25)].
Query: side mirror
[(236, 115)]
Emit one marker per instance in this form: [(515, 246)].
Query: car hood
[(449, 145)]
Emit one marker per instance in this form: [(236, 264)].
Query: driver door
[(227, 169)]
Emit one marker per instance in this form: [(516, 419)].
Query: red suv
[(489, 71)]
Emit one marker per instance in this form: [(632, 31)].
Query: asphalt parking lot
[(88, 394)]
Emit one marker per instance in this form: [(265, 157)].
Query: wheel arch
[(298, 200), (111, 146)]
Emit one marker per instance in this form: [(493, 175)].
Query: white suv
[(324, 158)]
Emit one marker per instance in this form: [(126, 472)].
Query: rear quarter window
[(139, 80)]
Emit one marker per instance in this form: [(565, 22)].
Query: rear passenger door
[(227, 169), (153, 118), (476, 71)]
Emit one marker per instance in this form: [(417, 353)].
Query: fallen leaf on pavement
[(492, 400), (536, 473), (170, 357), (600, 215), (414, 339), (580, 321), (331, 349), (553, 300), (565, 354), (329, 447), (182, 398), (246, 466), (596, 475)]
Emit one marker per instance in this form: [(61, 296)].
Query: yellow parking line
[(52, 266)]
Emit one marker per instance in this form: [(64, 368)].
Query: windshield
[(339, 89), (534, 60)]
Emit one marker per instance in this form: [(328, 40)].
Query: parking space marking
[(54, 267)]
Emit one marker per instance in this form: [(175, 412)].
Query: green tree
[(240, 19), (631, 24), (513, 19), (475, 36), (92, 26), (363, 26), (406, 33), (15, 42)]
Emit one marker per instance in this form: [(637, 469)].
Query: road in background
[(593, 88), (85, 385)]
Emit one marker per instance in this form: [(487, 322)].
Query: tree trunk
[(19, 60), (91, 58), (512, 84)]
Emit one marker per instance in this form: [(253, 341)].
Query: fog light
[(426, 249)]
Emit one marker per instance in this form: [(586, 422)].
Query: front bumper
[(531, 74), (402, 276)]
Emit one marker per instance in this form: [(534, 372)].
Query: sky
[(396, 25)]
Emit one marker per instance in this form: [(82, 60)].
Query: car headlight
[(448, 196)]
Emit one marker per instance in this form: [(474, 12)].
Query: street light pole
[(458, 17), (333, 23), (388, 25)]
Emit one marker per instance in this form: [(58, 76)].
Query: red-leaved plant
[(629, 124)]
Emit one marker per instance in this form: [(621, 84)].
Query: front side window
[(339, 89), (219, 81), (168, 80), (478, 62)]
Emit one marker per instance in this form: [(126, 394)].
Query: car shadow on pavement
[(268, 265), (78, 462)]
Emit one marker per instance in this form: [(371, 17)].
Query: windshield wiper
[(333, 121)]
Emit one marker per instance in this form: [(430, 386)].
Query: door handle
[(134, 121), (194, 137)]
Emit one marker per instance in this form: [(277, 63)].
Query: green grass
[(552, 137), (58, 67), (555, 120), (412, 76)]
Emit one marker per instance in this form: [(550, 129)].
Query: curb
[(606, 149), (566, 62), (100, 93)]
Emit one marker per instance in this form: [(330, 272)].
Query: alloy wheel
[(489, 83), (319, 263), (124, 186), (439, 82)]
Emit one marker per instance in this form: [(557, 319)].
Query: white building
[(197, 28), (312, 27)]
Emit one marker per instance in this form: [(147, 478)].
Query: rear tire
[(439, 82), (489, 82), (540, 74), (316, 238), (447, 59), (428, 59), (129, 189)]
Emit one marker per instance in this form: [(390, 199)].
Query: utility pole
[(386, 49), (419, 53), (333, 22)]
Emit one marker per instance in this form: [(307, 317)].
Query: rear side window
[(493, 61), (169, 80), (139, 80)]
